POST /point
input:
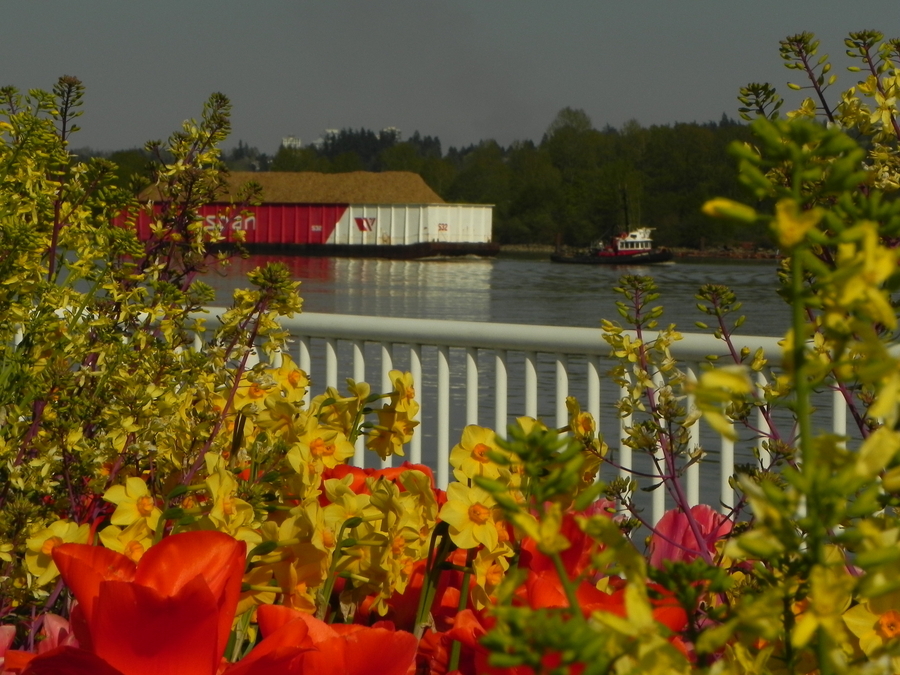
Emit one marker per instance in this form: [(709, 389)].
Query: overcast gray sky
[(463, 70)]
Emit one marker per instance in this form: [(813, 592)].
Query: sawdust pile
[(357, 187)]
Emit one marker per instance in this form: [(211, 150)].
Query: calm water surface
[(526, 290)]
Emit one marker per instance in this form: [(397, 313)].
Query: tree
[(299, 159), (132, 165)]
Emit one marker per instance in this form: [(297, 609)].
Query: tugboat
[(629, 248)]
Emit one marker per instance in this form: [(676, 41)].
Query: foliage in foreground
[(204, 516)]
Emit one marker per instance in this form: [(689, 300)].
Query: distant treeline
[(575, 186)]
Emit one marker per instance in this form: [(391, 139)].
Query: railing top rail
[(514, 337)]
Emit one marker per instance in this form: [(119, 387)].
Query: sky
[(461, 70)]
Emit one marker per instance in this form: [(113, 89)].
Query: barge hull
[(429, 249)]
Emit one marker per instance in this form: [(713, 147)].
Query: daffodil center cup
[(889, 624), (479, 453), (50, 544), (144, 505), (479, 514)]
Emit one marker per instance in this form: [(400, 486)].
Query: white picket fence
[(491, 373)]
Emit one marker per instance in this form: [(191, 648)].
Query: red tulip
[(299, 644), (171, 613)]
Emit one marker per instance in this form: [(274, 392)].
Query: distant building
[(392, 214), (291, 142)]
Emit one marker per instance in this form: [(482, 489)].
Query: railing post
[(359, 375), (839, 413), (727, 466), (593, 388), (765, 457), (415, 369), (625, 459), (593, 396), (659, 457), (443, 418), (387, 364), (330, 362), (304, 362), (501, 393), (531, 405), (692, 473), (562, 390), (471, 385)]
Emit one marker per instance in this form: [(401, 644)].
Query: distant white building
[(291, 142)]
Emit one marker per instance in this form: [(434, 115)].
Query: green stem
[(808, 453), (568, 587), (463, 600), (437, 553)]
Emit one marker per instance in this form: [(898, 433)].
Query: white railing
[(532, 371)]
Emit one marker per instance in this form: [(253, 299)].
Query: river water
[(515, 289)]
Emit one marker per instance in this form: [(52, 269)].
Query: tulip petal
[(15, 660), (214, 556), (377, 651), (272, 617), (281, 652), (319, 631), (69, 661), (84, 567), (143, 632)]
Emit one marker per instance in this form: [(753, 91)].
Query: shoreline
[(724, 253)]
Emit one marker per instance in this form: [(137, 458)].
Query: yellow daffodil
[(393, 430), (252, 390), (291, 380), (132, 542), (319, 446), (470, 455), (875, 622), (340, 412), (229, 514), (490, 568), (403, 396), (472, 515), (133, 502), (39, 548)]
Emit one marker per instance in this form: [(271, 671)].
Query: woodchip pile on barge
[(393, 214)]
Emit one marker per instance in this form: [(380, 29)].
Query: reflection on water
[(432, 289), (515, 289)]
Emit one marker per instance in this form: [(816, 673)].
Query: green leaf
[(263, 549), (174, 513), (589, 496), (177, 492)]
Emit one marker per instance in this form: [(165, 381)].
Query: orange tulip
[(299, 644), (170, 613)]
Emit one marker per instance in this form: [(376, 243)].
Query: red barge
[(392, 214)]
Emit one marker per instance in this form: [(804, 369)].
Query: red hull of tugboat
[(645, 258), (630, 248)]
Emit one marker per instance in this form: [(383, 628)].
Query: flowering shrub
[(168, 508)]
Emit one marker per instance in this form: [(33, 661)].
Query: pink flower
[(57, 633), (673, 538)]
